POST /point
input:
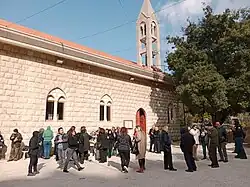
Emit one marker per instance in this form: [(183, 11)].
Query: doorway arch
[(141, 119)]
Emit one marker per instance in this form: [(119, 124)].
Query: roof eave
[(24, 40)]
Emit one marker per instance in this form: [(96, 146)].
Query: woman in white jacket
[(196, 133)]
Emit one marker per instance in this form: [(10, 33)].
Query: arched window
[(153, 28), (141, 31), (105, 108), (50, 108), (55, 105), (60, 108), (170, 113), (102, 105)]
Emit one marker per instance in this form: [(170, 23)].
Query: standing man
[(84, 144), (61, 144), (151, 137), (222, 142), (16, 140), (71, 151), (166, 147), (33, 153), (213, 142), (187, 143)]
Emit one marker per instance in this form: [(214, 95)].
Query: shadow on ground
[(97, 175)]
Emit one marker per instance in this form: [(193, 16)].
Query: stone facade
[(27, 77)]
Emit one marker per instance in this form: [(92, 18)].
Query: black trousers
[(125, 158), (33, 163), (103, 155), (151, 144), (142, 163), (157, 146), (213, 155), (189, 158), (167, 159)]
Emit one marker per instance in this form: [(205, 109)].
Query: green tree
[(211, 63)]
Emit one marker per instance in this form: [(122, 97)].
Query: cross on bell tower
[(148, 37)]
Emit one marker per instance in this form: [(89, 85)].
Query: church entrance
[(141, 119)]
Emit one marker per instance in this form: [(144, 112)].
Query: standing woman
[(124, 145), (111, 142), (40, 139), (33, 153), (204, 141), (47, 138), (140, 139), (102, 145), (239, 139)]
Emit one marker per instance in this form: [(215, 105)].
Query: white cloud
[(177, 14), (174, 15)]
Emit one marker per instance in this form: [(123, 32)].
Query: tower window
[(141, 31)]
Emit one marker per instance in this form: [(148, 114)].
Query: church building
[(48, 81)]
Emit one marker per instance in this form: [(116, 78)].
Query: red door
[(141, 119)]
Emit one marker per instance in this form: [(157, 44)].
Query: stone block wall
[(26, 78)]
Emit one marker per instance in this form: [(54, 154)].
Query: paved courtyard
[(236, 173)]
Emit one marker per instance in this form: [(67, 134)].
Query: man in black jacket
[(187, 142), (33, 154), (73, 144), (166, 148), (222, 142)]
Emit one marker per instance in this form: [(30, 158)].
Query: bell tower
[(148, 37)]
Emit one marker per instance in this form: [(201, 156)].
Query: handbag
[(135, 149)]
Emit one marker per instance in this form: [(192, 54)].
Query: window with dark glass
[(101, 112), (49, 110), (108, 113), (168, 115), (172, 113), (60, 110)]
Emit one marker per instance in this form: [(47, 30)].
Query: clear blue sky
[(78, 18)]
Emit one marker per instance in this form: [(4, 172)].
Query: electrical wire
[(121, 4), (41, 11), (128, 22)]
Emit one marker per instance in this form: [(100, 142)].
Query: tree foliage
[(211, 63)]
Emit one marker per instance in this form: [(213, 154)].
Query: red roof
[(54, 39)]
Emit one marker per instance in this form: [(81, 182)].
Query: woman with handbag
[(140, 142)]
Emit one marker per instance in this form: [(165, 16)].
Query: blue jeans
[(47, 148)]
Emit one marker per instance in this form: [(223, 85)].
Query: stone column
[(55, 110)]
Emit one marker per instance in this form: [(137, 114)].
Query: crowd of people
[(212, 138), (105, 143)]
